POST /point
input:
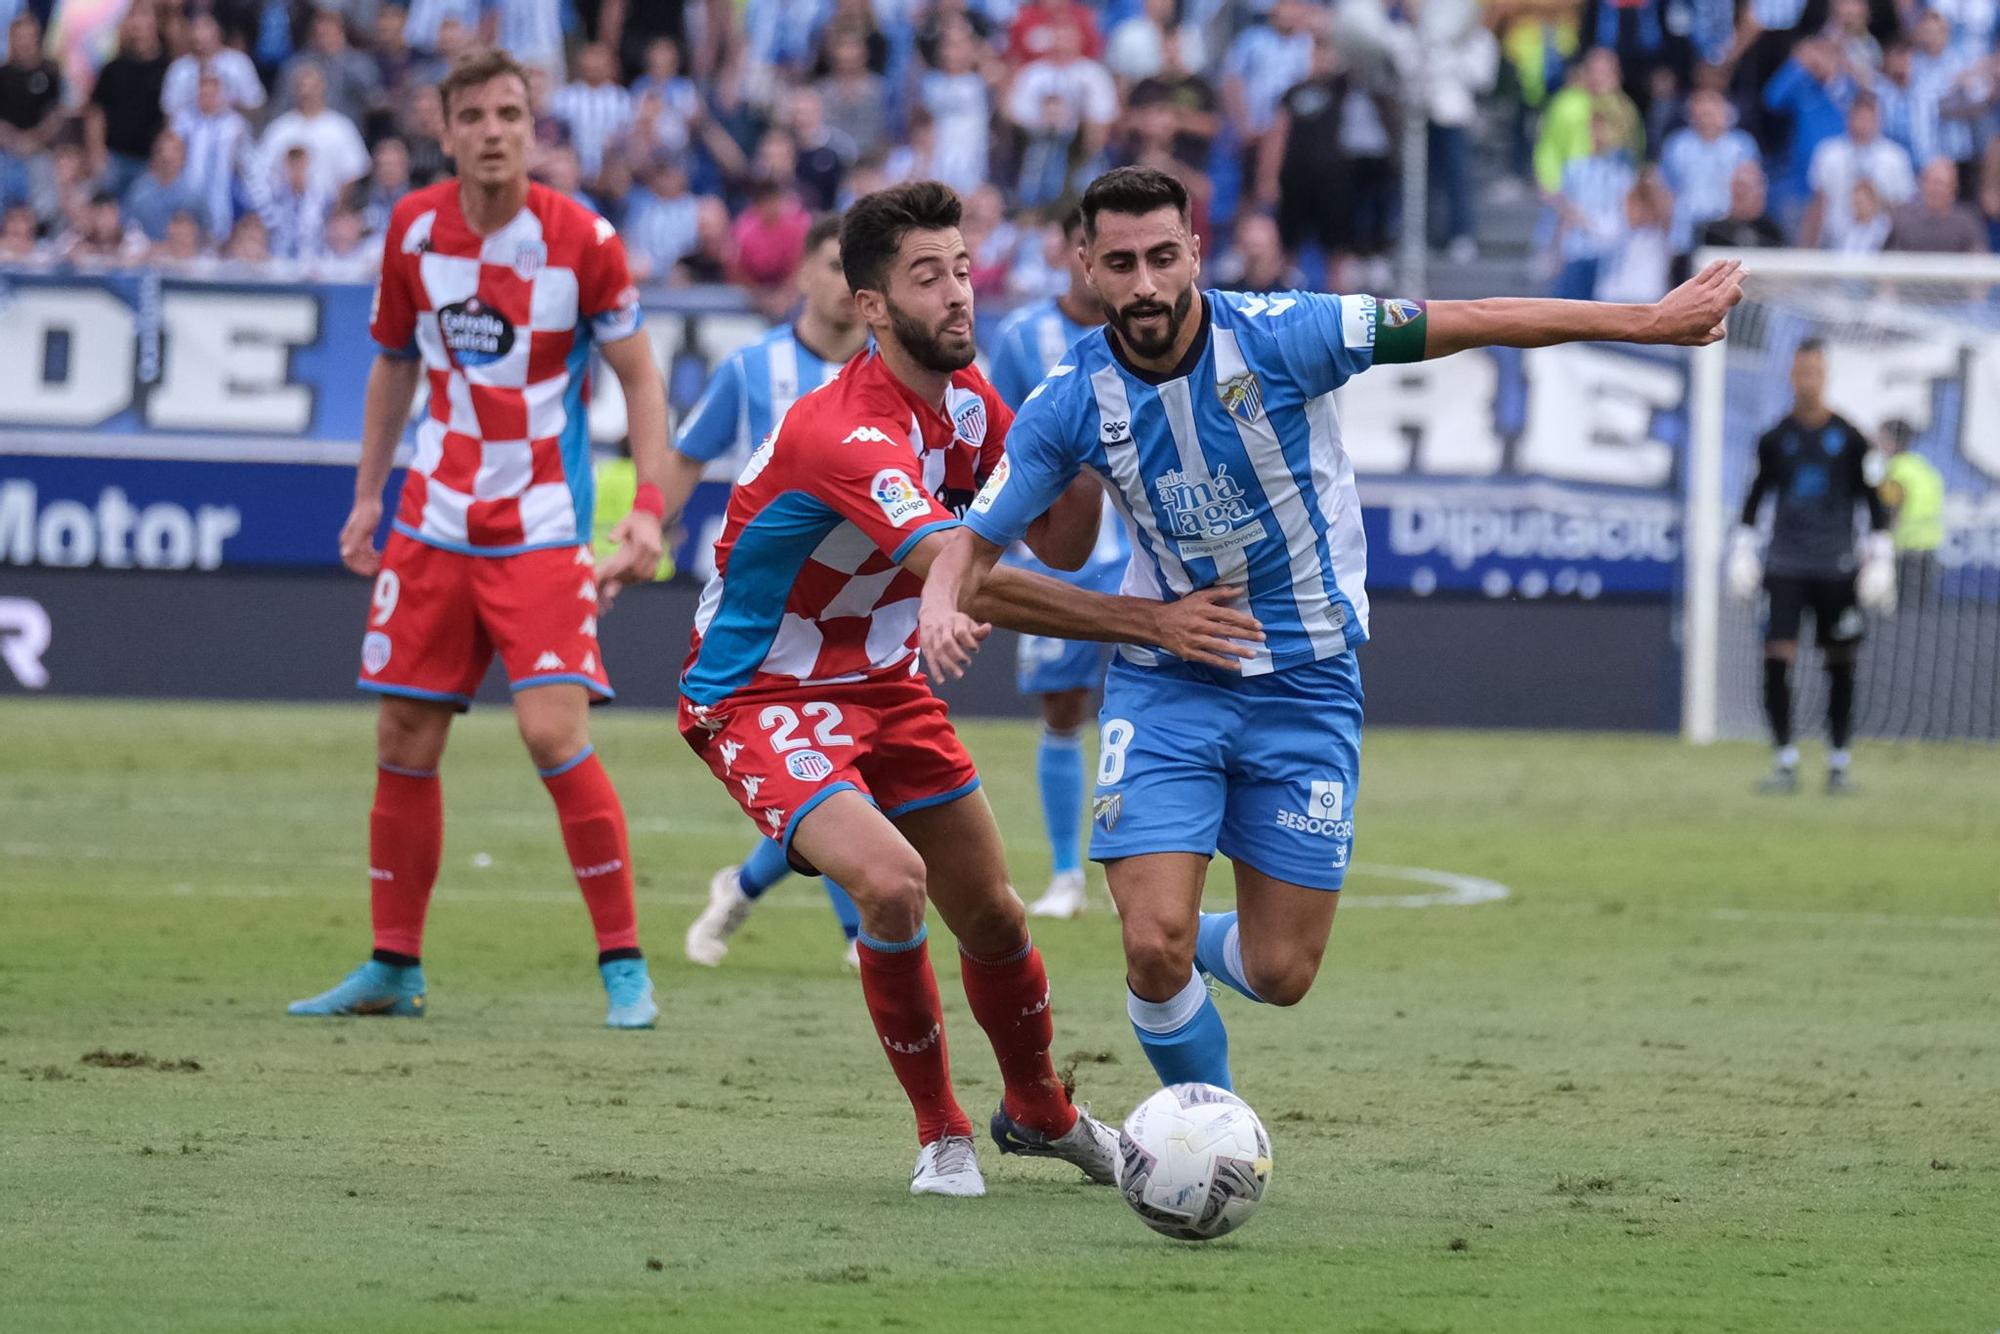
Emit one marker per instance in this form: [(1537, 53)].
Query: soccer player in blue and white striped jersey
[(1060, 673), (1210, 420), (746, 398)]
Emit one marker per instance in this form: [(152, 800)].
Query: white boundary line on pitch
[(1454, 890)]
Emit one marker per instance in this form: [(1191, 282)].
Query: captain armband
[(1400, 329)]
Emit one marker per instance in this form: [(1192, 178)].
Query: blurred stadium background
[(183, 307)]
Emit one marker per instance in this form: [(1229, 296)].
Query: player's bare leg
[(848, 839), (1282, 932), (1159, 908), (1063, 783), (1779, 655), (554, 722), (1005, 984), (405, 844)]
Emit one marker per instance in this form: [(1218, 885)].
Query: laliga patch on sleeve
[(990, 493), (1357, 321), (900, 498)]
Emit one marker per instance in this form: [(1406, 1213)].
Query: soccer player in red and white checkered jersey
[(496, 290), (803, 695)]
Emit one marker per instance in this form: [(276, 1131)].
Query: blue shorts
[(1264, 770), (1044, 666)]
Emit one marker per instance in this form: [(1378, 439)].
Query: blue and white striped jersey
[(1229, 471), (748, 393), (1031, 339)]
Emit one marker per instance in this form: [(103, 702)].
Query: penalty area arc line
[(1453, 889)]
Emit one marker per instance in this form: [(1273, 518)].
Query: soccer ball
[(1194, 1161)]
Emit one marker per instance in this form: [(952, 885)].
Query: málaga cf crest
[(1243, 397)]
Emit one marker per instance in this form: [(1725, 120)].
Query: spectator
[(1989, 192), (31, 93), (423, 135), (1896, 98), (166, 189), (400, 69), (1591, 213), (1035, 33), (960, 105), (440, 27), (20, 235), (915, 160), (770, 239), (1867, 229), (184, 243), (713, 258), (1948, 92), (249, 243), (240, 84), (629, 28), (677, 99), (855, 99), (1048, 155), (1263, 62), (1768, 35), (335, 154), (299, 203), (1192, 98), (852, 18), (1811, 91), (1641, 34), (1459, 60), (124, 116), (992, 240), (779, 36), (943, 16), (219, 146), (1324, 164), (103, 239), (531, 31), (660, 218), (347, 253), (1137, 47), (1847, 30), (1936, 221), (62, 198), (1592, 88), (1151, 134), (1971, 23), (1637, 271), (353, 82), (375, 195), (1258, 262), (1087, 99), (1842, 162), (1699, 162), (1747, 225), (561, 172), (821, 153), (594, 108)]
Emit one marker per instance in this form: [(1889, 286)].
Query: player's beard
[(1150, 347), (928, 347)]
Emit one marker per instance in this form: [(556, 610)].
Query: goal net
[(1908, 338)]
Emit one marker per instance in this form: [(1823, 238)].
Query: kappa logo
[(899, 497), (705, 717), (868, 435), (375, 650), (750, 785), (585, 559), (605, 231), (589, 625), (808, 766), (730, 750), (548, 662), (589, 590), (589, 663), (1105, 808), (774, 816)]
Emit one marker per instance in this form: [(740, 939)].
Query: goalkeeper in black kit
[(1811, 466)]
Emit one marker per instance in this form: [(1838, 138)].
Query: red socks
[(405, 840), (902, 999), (1010, 999), (593, 829)]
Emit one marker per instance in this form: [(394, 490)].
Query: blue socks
[(766, 866), (1059, 766), (1183, 1037), (1218, 952), (763, 868)]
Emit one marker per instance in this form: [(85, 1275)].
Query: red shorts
[(438, 617), (781, 753)]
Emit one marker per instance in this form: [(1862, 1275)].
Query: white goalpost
[(1909, 338)]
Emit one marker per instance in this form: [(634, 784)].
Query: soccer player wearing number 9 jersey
[(496, 290), (1210, 420)]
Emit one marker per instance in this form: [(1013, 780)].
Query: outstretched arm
[(1690, 316)]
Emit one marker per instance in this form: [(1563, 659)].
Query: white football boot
[(1090, 1146), (948, 1166), (1063, 898), (728, 908)]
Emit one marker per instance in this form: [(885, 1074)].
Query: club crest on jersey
[(899, 497), (529, 258), (1397, 312), (476, 334), (971, 422), (1242, 397)]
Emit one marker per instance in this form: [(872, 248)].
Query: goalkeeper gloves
[(1746, 570), (1875, 585)]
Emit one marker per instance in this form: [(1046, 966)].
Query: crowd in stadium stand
[(276, 135)]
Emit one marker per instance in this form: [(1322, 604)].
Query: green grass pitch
[(1716, 1063)]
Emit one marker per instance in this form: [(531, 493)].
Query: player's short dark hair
[(825, 228), (1131, 190), (874, 228), (477, 68), (1814, 346)]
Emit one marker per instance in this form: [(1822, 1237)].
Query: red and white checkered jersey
[(504, 324), (807, 589)]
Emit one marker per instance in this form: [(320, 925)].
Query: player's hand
[(949, 639), (1745, 571), (1691, 315), (1875, 585), (1203, 627), (357, 538), (636, 560)]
